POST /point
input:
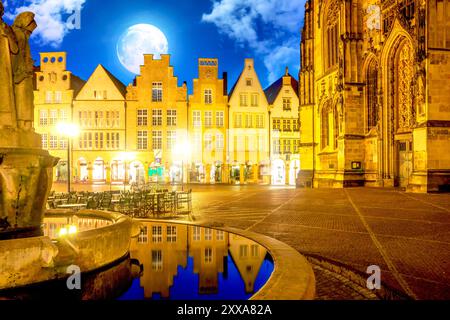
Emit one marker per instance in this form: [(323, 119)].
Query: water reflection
[(54, 227), (189, 262)]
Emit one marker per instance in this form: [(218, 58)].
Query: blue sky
[(231, 30)]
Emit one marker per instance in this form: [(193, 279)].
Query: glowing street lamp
[(182, 151), (70, 131)]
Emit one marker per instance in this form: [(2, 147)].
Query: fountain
[(26, 172)]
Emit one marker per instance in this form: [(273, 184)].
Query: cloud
[(51, 16), (270, 28)]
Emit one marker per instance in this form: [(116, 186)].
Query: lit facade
[(375, 94), (99, 111), (208, 124), (157, 122), (56, 88), (248, 139), (283, 100)]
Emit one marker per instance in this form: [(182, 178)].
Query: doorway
[(404, 163)]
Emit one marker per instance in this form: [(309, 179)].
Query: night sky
[(231, 30)]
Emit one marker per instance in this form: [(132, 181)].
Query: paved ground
[(407, 235)]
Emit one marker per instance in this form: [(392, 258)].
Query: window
[(157, 118), (157, 261), (157, 92), (286, 125), (296, 146), (325, 128), (58, 97), (249, 121), (196, 234), (220, 235), (197, 118), (43, 118), (276, 146), (142, 117), (142, 140), (249, 82), (238, 120), (171, 234), (243, 99), (143, 235), (100, 95), (63, 116), (44, 141), (208, 142), (53, 144), (277, 124), (172, 117), (372, 95), (438, 20), (296, 125), (287, 146), (254, 250), (63, 143), (260, 121), (208, 96), (157, 234), (287, 104), (255, 100), (208, 255), (157, 140), (208, 234), (208, 119), (220, 142), (49, 97), (220, 119), (171, 139), (243, 251)]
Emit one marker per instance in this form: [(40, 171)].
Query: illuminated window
[(157, 92), (196, 234), (157, 261), (220, 235), (208, 119), (58, 97), (255, 100), (49, 97), (142, 140), (220, 119), (157, 120), (157, 140), (208, 234), (171, 117), (255, 250), (171, 234), (157, 234), (143, 235), (208, 255), (287, 104), (243, 251), (260, 121), (208, 142), (208, 96), (171, 139), (197, 118), (243, 99), (142, 117), (219, 141), (43, 118), (44, 141), (53, 142)]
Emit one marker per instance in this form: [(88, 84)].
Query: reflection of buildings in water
[(248, 257), (160, 248), (209, 249), (53, 225)]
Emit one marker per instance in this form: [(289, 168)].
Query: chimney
[(225, 83)]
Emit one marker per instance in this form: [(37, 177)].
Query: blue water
[(186, 284)]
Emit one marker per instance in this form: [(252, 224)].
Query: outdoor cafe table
[(75, 206)]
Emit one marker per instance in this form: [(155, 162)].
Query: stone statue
[(8, 50), (23, 70)]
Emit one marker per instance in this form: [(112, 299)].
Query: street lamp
[(182, 150), (70, 131), (127, 157)]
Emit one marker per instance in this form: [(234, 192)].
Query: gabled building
[(157, 121), (208, 124), (249, 150), (55, 90), (100, 112), (283, 100)]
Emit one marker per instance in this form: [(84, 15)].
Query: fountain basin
[(34, 260)]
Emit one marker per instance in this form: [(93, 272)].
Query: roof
[(235, 84), (274, 89), (119, 85)]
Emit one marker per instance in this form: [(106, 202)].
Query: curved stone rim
[(292, 278)]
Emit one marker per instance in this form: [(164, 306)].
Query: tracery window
[(332, 35), (371, 95)]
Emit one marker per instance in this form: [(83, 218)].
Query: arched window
[(371, 95), (325, 127), (331, 36)]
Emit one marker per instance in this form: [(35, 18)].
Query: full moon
[(138, 40)]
